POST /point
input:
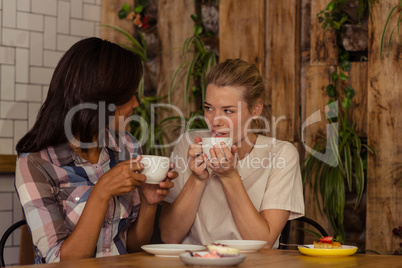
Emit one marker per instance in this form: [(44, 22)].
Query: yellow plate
[(321, 252)]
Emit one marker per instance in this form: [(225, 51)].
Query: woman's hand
[(196, 160), (121, 179), (155, 193), (222, 164)]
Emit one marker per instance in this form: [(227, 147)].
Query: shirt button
[(107, 250), (77, 198), (109, 222)]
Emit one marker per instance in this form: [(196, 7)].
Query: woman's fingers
[(166, 184), (172, 175)]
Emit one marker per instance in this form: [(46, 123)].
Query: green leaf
[(320, 19), (125, 7), (122, 14), (331, 6), (344, 55), (348, 166), (335, 151), (346, 103), (341, 200), (187, 43), (343, 77), (331, 91), (349, 92), (198, 29), (199, 45), (188, 76), (345, 65), (359, 177), (136, 46), (336, 25), (138, 9), (385, 28), (344, 140), (371, 149), (194, 17), (332, 111), (334, 76), (174, 79)]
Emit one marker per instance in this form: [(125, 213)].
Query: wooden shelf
[(7, 163)]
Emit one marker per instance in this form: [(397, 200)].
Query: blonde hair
[(239, 73)]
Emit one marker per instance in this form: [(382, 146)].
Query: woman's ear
[(257, 109)]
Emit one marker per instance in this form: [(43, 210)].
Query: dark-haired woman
[(78, 173), (247, 191)]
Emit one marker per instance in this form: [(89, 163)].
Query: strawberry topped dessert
[(327, 242), (219, 251)]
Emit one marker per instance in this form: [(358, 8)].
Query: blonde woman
[(247, 191)]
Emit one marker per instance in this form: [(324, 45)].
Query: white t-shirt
[(270, 174)]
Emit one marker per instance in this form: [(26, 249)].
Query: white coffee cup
[(155, 168), (209, 142)]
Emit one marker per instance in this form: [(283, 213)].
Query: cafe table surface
[(263, 258)]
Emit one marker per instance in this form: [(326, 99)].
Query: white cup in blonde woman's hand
[(209, 142)]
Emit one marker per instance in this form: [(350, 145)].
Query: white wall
[(34, 34)]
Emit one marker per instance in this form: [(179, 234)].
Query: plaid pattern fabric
[(54, 185)]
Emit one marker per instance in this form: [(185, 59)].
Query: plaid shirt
[(54, 185)]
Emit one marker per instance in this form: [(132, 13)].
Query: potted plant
[(204, 56), (343, 168), (141, 127)]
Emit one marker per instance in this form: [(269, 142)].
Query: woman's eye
[(228, 111), (207, 108)]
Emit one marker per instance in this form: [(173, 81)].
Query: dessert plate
[(322, 252), (170, 250), (224, 261), (243, 245)]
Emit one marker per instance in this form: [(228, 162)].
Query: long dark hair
[(91, 71)]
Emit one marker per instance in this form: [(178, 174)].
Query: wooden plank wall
[(242, 31), (282, 63), (323, 57), (110, 9), (174, 26), (249, 32), (318, 77), (323, 50), (384, 183)]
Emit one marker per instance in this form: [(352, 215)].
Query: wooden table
[(267, 258)]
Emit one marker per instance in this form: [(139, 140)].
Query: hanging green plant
[(397, 10), (195, 71), (145, 128), (336, 163)]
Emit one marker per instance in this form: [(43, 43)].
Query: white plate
[(224, 261), (243, 245), (170, 250)]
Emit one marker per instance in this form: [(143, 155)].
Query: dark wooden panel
[(358, 111), (316, 98), (384, 191), (241, 31), (283, 67)]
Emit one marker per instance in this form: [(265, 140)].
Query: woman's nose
[(218, 120)]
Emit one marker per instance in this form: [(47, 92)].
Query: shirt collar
[(63, 154)]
